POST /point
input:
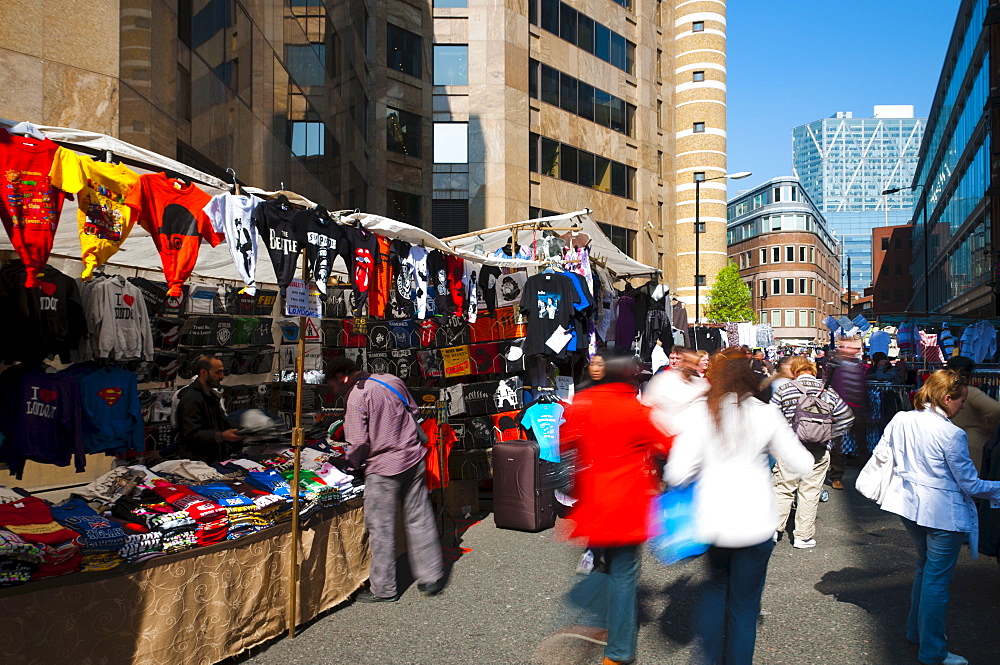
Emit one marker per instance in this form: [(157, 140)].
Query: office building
[(846, 163), (448, 114), (955, 261), (788, 258), (892, 257)]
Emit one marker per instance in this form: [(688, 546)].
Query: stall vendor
[(203, 430)]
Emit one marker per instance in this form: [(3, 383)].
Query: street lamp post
[(698, 179)]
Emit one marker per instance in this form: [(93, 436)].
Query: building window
[(789, 286), (449, 217), (763, 255), (402, 132), (789, 318), (659, 164), (698, 26), (700, 280), (762, 284), (812, 318), (775, 317), (775, 287), (802, 285), (451, 143), (802, 253), (305, 63), (742, 262), (789, 254), (586, 33), (885, 243), (898, 269), (749, 259), (402, 50), (775, 255), (451, 64), (698, 128), (659, 63), (440, 4), (659, 114), (699, 227), (795, 193), (776, 194), (763, 316), (812, 255), (803, 318), (812, 287), (403, 207), (698, 77), (699, 176), (622, 238)]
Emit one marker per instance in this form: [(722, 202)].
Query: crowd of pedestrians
[(734, 420)]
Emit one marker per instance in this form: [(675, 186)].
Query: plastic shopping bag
[(672, 526)]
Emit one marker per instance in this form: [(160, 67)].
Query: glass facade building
[(953, 262), (845, 163)]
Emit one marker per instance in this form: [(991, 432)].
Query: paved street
[(843, 602)]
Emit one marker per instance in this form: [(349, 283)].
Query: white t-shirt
[(230, 214), (201, 298), (471, 283), (417, 262)]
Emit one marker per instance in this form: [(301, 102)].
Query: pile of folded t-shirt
[(272, 483), (176, 528), (102, 538), (141, 544), (31, 519), (211, 523), (241, 512), (18, 559)]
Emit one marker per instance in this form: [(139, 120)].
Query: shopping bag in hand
[(672, 526)]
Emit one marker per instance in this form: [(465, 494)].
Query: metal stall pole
[(298, 438)]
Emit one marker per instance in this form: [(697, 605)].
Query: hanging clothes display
[(548, 300), (101, 189), (46, 319), (360, 252), (29, 204), (323, 239), (274, 221), (232, 216), (173, 212)]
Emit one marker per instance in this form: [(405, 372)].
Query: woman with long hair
[(932, 484), (615, 484), (723, 440)]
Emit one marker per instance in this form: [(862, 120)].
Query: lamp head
[(739, 176)]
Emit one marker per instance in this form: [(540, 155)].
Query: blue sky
[(791, 62)]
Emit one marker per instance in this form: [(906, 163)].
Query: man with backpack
[(817, 415)]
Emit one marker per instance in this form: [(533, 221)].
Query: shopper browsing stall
[(203, 430), (382, 433)]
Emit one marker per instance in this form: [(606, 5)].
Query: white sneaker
[(804, 544), (954, 659)]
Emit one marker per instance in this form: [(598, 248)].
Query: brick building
[(892, 257), (787, 257)]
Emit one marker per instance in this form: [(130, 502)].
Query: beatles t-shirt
[(549, 301), (274, 221)]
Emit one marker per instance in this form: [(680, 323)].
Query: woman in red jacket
[(616, 444)]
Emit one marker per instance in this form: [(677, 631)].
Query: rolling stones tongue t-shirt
[(362, 253), (173, 213), (29, 204)]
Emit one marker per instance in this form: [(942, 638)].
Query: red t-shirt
[(173, 213), (378, 293), (31, 205), (456, 275)]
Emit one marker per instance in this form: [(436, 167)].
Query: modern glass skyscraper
[(845, 163)]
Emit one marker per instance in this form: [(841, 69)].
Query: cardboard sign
[(303, 299)]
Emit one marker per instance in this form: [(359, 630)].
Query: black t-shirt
[(401, 291), (549, 299), (437, 270), (360, 255), (274, 222), (488, 278), (323, 239)]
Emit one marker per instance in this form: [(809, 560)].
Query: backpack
[(812, 421)]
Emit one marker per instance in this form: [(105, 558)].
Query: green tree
[(730, 298)]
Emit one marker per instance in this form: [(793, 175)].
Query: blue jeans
[(937, 554), (623, 610), (726, 617)]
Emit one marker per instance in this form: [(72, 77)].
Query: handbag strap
[(406, 402)]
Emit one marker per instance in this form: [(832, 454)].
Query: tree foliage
[(730, 298)]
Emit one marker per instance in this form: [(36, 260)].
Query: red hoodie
[(172, 212), (30, 204)]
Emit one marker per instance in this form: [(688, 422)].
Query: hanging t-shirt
[(378, 296), (417, 262), (455, 265), (273, 219), (324, 240), (437, 268), (104, 219), (173, 213), (232, 216), (549, 300), (362, 251), (470, 285), (29, 203), (403, 334), (879, 342), (401, 293), (509, 287), (544, 420), (487, 285)]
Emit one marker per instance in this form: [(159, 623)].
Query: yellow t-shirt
[(105, 221)]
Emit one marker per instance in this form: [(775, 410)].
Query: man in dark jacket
[(203, 431)]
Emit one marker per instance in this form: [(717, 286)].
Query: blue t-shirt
[(544, 420)]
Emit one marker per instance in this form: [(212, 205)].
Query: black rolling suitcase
[(522, 497)]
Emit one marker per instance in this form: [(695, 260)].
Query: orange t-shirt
[(378, 294)]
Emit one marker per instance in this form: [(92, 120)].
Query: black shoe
[(432, 589), (366, 596)]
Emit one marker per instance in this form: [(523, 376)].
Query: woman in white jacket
[(932, 481), (723, 441)]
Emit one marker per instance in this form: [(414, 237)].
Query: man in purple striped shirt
[(381, 432)]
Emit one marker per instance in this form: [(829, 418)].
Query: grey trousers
[(381, 495)]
